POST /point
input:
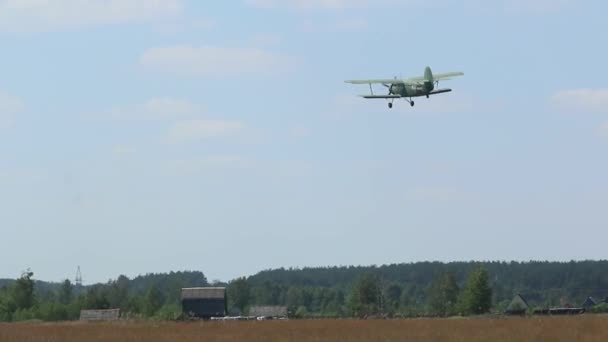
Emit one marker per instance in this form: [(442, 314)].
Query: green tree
[(443, 295), (118, 292), (393, 297), (154, 301), (23, 291), (96, 298), (365, 296), (477, 295), (66, 292), (239, 294)]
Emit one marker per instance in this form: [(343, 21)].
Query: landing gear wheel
[(412, 103), (390, 105)]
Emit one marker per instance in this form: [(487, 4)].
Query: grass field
[(580, 328)]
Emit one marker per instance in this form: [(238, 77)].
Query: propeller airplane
[(408, 88)]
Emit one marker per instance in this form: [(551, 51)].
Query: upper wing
[(379, 81), (412, 80)]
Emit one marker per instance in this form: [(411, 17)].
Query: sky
[(142, 136)]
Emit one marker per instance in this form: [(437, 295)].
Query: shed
[(268, 311), (204, 302), (589, 303), (518, 306), (100, 315)]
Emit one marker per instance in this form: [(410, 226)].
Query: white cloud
[(336, 25), (161, 108), (214, 61), (198, 130), (309, 4), (582, 100), (509, 6), (51, 15), (9, 106)]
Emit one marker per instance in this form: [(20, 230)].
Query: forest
[(428, 289)]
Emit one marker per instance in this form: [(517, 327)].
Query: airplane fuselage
[(411, 90)]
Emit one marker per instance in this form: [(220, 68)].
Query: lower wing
[(434, 92), (380, 96)]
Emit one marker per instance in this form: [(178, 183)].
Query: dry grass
[(580, 328)]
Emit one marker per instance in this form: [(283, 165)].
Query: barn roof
[(518, 304), (589, 303), (203, 293)]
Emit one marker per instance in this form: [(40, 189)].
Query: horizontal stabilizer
[(380, 96), (440, 91), (447, 76)]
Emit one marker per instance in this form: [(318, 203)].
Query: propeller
[(389, 86)]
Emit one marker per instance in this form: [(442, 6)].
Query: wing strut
[(370, 89)]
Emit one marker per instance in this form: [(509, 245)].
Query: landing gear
[(412, 103), (390, 105)]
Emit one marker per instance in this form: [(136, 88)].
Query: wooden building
[(204, 302), (100, 315), (268, 311)]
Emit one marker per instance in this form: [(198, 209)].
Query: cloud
[(52, 15), (335, 25), (581, 100), (199, 130), (214, 61), (161, 108), (9, 106), (310, 4)]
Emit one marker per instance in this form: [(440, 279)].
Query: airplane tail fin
[(429, 80), (428, 74)]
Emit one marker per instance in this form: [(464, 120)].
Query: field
[(580, 328)]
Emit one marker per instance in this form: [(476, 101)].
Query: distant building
[(518, 306), (204, 302), (268, 311), (589, 303), (559, 311), (100, 315)]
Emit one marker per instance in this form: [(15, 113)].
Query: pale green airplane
[(426, 85)]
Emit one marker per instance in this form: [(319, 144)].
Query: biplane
[(409, 88)]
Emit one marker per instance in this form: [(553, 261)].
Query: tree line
[(406, 290)]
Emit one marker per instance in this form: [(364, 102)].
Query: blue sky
[(148, 136)]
